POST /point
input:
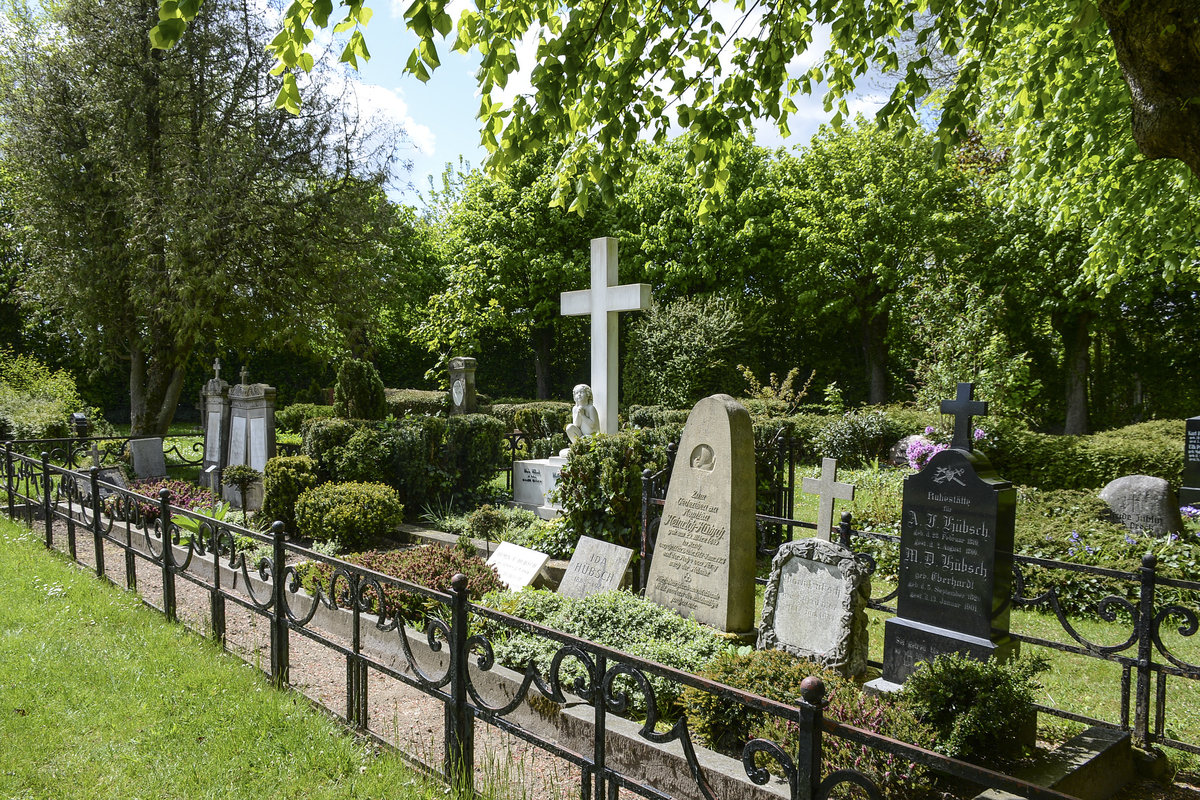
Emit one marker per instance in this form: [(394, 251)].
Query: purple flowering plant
[(920, 450)]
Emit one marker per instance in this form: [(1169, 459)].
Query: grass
[(100, 698)]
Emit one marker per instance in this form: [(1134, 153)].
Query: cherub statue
[(585, 419)]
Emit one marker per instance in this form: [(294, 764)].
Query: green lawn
[(100, 698)]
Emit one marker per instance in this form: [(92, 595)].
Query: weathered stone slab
[(595, 567), (517, 566), (148, 459), (1144, 504), (703, 561), (815, 605)]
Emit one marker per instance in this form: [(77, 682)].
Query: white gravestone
[(517, 566), (603, 301), (533, 480), (595, 567), (815, 605), (148, 460), (703, 563)]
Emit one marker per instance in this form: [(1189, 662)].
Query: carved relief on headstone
[(815, 605), (1144, 505), (595, 567), (462, 385), (703, 561)]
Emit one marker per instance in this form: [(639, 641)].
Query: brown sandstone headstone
[(703, 562)]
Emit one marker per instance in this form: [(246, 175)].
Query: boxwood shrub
[(726, 725), (358, 393), (416, 402), (431, 566), (348, 514), (616, 619), (539, 420), (285, 478), (292, 418)]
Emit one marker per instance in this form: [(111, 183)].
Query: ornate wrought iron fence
[(1146, 662), (72, 452), (457, 662)]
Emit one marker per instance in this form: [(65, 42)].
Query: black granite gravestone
[(1189, 494), (955, 576)]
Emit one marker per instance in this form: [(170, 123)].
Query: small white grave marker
[(517, 566)]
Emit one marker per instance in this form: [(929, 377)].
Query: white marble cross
[(603, 302), (828, 489)]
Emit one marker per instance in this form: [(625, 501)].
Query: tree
[(164, 202), (1097, 75)]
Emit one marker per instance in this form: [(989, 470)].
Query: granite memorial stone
[(815, 605), (1144, 504), (703, 560), (1189, 494), (462, 386), (517, 566), (214, 411), (595, 567), (956, 539), (148, 459)]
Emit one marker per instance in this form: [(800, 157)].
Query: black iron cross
[(963, 407)]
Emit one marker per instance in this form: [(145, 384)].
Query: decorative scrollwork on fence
[(835, 779), (1108, 609), (760, 775), (1188, 627)]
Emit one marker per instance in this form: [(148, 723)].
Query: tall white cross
[(603, 302), (828, 489)]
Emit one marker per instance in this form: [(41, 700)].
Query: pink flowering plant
[(934, 441), (183, 495)]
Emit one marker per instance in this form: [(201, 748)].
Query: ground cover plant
[(104, 699)]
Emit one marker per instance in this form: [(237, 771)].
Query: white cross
[(603, 302), (828, 489)]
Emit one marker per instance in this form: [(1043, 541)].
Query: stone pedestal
[(533, 480), (462, 385), (214, 418), (1189, 494), (251, 427)]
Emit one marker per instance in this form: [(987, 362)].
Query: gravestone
[(703, 561), (1189, 494), (214, 411), (251, 430), (815, 605), (517, 566), (533, 480), (595, 567), (111, 475), (148, 459), (1144, 504), (462, 386), (828, 490), (602, 303), (956, 539)]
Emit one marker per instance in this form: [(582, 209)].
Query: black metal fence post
[(98, 531), (356, 668), (1141, 716), (216, 598), (46, 500), (279, 621), (845, 530), (808, 752), (168, 553), (10, 483), (460, 721), (600, 729)]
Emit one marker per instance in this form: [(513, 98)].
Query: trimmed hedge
[(348, 514), (539, 420), (292, 418), (285, 478), (421, 457), (1087, 462), (416, 402)]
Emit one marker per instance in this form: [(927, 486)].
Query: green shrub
[(726, 725), (600, 487), (858, 438), (240, 476), (475, 450), (430, 566), (616, 619), (285, 478), (349, 514), (416, 402), (358, 393), (976, 708), (36, 401), (292, 418), (656, 416), (538, 420), (325, 440), (1086, 462)]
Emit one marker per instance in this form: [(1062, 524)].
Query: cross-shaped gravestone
[(963, 407), (245, 376), (603, 301), (217, 368), (828, 489)]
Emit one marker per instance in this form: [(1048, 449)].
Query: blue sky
[(439, 116)]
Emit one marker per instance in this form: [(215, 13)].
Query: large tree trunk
[(1075, 329), (1158, 47), (542, 339), (874, 342), (155, 383)]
